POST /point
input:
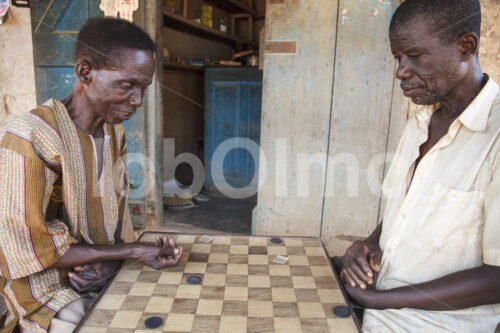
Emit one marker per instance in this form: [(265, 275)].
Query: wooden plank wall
[(152, 21), (298, 78), (489, 47), (327, 104), (365, 120)]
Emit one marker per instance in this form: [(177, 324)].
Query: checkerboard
[(242, 289)]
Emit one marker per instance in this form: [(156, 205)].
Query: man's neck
[(452, 106), (79, 110)]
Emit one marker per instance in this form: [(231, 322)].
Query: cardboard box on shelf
[(206, 16), (170, 5)]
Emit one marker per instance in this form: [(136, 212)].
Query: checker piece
[(341, 311), (153, 322), (276, 240), (194, 280)]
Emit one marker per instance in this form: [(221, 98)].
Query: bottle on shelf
[(222, 26)]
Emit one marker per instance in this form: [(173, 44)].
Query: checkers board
[(242, 289)]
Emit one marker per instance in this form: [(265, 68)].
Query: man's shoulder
[(36, 119), (494, 116), (46, 114), (34, 134), (496, 103)]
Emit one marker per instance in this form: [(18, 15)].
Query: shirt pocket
[(453, 218)]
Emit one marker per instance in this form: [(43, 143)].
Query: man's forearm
[(467, 288), (81, 254)]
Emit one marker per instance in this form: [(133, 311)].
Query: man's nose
[(136, 98), (403, 72)]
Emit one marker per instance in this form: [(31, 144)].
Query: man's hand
[(163, 254), (362, 260), (92, 277)]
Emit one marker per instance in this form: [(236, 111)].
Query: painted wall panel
[(489, 47), (55, 26), (54, 35), (53, 82), (54, 49), (17, 75), (361, 121), (296, 104)]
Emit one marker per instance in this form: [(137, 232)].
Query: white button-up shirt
[(448, 220)]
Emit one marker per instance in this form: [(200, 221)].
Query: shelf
[(183, 67), (181, 23), (233, 6)]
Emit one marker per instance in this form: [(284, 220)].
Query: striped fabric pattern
[(49, 199)]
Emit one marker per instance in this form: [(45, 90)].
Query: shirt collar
[(423, 115), (474, 117)]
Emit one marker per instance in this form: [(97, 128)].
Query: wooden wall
[(489, 48), (296, 106), (332, 105), (17, 73), (336, 102), (368, 114)]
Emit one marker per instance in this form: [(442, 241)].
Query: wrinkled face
[(429, 68), (116, 93)]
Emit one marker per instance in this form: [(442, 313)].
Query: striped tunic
[(50, 198)]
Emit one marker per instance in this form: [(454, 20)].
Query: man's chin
[(115, 121), (424, 101)]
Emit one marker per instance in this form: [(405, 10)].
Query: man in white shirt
[(437, 251)]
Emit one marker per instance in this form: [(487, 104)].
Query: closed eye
[(126, 85)]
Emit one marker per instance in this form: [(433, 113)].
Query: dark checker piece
[(276, 240), (341, 311), (153, 322), (193, 279)]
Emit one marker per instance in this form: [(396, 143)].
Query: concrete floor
[(220, 213)]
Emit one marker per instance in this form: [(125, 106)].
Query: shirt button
[(388, 250)]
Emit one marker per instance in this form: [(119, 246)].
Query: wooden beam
[(185, 8), (153, 25)]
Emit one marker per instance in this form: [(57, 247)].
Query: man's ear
[(83, 72), (468, 46)]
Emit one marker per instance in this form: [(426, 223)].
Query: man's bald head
[(448, 19)]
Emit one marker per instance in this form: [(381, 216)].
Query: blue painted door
[(232, 111), (55, 26)]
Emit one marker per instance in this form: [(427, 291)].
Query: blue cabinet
[(233, 99)]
